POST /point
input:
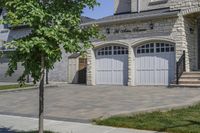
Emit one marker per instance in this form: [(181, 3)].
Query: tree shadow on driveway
[(9, 130), (6, 130)]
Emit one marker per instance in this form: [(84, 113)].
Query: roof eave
[(139, 18)]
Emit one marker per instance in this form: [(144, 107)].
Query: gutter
[(138, 6), (134, 18)]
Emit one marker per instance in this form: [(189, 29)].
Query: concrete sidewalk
[(10, 124)]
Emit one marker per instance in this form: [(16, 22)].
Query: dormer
[(146, 5), (122, 6), (134, 6)]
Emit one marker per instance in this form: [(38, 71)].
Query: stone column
[(91, 67), (131, 67), (179, 34)]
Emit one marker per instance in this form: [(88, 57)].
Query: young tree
[(55, 24)]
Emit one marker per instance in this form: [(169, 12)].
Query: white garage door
[(112, 65), (155, 64)]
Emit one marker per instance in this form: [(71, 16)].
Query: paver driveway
[(79, 102)]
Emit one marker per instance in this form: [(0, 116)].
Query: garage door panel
[(119, 62), (104, 76), (104, 64), (156, 67), (142, 62), (118, 77), (145, 77), (161, 77), (112, 69)]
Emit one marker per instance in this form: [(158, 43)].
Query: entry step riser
[(186, 85), (192, 73), (189, 82), (189, 79)]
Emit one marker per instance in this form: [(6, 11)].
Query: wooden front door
[(82, 70)]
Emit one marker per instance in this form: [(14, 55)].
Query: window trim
[(112, 50), (157, 2), (155, 48)]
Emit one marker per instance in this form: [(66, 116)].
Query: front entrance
[(82, 73), (155, 64)]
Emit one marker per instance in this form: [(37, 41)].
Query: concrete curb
[(12, 124)]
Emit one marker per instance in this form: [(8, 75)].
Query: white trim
[(157, 39), (102, 44)]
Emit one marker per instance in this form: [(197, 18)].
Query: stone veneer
[(183, 4), (180, 30)]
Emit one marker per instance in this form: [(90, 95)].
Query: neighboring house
[(144, 40), (8, 33)]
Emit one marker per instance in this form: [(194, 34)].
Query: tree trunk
[(47, 76), (41, 97)]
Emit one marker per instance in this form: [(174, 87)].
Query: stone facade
[(181, 30), (184, 4)]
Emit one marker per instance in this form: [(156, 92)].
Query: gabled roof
[(85, 19), (75, 55), (151, 14)]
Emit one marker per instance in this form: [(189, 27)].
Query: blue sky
[(105, 9)]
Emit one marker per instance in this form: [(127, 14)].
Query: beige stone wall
[(162, 27), (184, 4), (91, 67), (191, 42)]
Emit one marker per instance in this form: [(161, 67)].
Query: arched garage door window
[(112, 50), (112, 65), (155, 63), (155, 47)]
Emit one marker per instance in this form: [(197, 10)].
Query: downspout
[(138, 6)]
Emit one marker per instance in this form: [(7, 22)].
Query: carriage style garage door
[(112, 65), (155, 64)]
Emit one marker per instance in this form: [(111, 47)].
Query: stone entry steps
[(189, 79)]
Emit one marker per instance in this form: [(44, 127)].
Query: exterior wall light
[(151, 25), (191, 30), (108, 30)]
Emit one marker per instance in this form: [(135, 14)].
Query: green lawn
[(175, 121), (16, 86)]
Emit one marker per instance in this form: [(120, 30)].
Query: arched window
[(112, 50), (157, 47)]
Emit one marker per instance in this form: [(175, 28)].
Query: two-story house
[(148, 42)]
